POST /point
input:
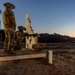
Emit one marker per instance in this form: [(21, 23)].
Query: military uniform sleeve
[(12, 18), (3, 18)]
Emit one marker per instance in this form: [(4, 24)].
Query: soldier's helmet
[(8, 4), (21, 28)]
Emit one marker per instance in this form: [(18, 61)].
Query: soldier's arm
[(18, 35), (3, 18), (13, 20)]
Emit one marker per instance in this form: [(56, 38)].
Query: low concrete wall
[(47, 54)]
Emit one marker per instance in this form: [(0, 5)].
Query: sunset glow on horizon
[(47, 16)]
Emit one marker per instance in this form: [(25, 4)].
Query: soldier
[(9, 26), (19, 38)]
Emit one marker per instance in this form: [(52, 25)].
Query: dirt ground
[(63, 64)]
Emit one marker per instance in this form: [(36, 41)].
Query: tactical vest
[(8, 19)]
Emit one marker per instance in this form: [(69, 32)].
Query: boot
[(11, 52), (5, 51)]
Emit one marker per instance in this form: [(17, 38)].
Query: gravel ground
[(63, 64)]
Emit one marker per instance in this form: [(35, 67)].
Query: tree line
[(53, 38), (45, 37)]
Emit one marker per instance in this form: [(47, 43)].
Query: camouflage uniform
[(9, 25), (19, 38)]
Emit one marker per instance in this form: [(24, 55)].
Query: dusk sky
[(47, 16)]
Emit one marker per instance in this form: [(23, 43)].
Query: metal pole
[(0, 23), (0, 18)]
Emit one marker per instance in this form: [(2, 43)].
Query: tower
[(31, 38)]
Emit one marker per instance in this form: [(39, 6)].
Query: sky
[(47, 16)]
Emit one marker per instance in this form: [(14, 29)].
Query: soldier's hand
[(14, 28)]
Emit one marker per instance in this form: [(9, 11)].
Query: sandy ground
[(63, 64)]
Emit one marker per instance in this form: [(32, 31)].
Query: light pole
[(0, 18)]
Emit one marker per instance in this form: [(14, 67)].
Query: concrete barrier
[(50, 56), (31, 55)]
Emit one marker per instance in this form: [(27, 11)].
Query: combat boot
[(5, 51), (11, 52)]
